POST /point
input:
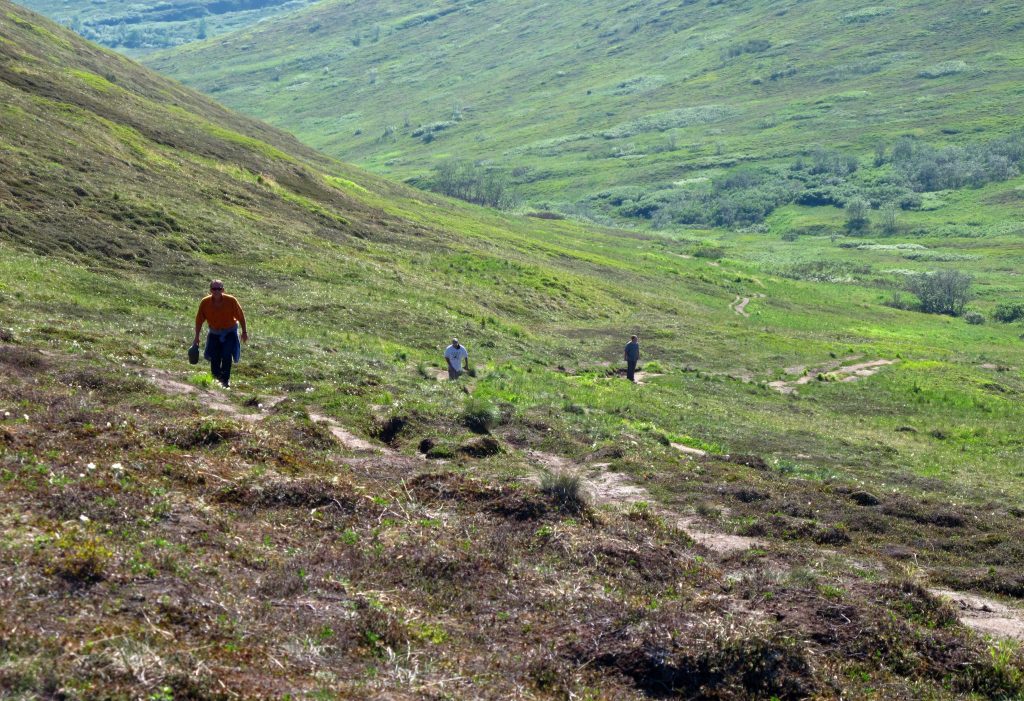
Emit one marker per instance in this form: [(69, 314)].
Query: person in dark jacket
[(223, 314), (632, 356)]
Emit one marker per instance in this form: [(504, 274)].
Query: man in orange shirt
[(224, 315)]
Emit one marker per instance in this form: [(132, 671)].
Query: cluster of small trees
[(927, 168), (826, 177), (472, 182)]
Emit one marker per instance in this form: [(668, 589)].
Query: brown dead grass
[(262, 564)]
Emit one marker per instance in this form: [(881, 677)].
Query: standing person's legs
[(215, 351), (225, 369), (630, 370), (453, 374)]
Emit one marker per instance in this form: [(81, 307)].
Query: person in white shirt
[(456, 356)]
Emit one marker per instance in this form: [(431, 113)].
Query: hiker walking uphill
[(223, 315), (456, 355), (631, 355)]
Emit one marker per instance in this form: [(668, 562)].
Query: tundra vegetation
[(771, 514), (666, 114)]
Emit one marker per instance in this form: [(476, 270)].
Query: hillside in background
[(813, 492), (137, 28), (643, 112)]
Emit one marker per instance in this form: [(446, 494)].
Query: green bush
[(1009, 312), (942, 292), (974, 318)]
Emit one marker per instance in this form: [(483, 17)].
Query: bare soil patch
[(617, 489), (830, 372), (692, 452), (985, 615)]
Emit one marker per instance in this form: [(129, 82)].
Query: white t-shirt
[(455, 355)]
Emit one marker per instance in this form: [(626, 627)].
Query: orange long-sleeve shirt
[(222, 317)]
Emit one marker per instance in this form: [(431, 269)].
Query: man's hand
[(195, 341), (245, 336)]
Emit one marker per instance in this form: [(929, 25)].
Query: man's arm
[(200, 318), (241, 321), (465, 360)]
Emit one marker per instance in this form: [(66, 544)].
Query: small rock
[(6, 335)]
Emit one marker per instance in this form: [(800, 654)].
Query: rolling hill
[(788, 506), (135, 28), (639, 112)]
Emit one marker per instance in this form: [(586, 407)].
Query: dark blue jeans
[(220, 354), (630, 370)]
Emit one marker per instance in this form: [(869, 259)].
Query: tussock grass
[(565, 490)]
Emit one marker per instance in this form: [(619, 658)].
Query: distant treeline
[(899, 173)]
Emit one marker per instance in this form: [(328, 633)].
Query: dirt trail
[(219, 402), (347, 438), (209, 398), (641, 377), (616, 489), (692, 452), (833, 371), (739, 305), (986, 615)]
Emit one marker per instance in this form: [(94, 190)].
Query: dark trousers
[(630, 370), (219, 354)]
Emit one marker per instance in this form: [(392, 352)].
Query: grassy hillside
[(636, 112), (136, 28), (343, 525)]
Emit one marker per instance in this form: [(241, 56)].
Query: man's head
[(633, 339), (455, 342), (216, 288)]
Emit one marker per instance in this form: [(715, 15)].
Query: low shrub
[(565, 490), (78, 558), (710, 252), (974, 318), (207, 432), (1008, 312)]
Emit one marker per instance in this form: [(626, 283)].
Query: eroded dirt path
[(739, 305), (220, 402), (833, 371), (986, 615), (209, 398), (616, 489)]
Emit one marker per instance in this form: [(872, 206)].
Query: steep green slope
[(163, 540), (601, 109)]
